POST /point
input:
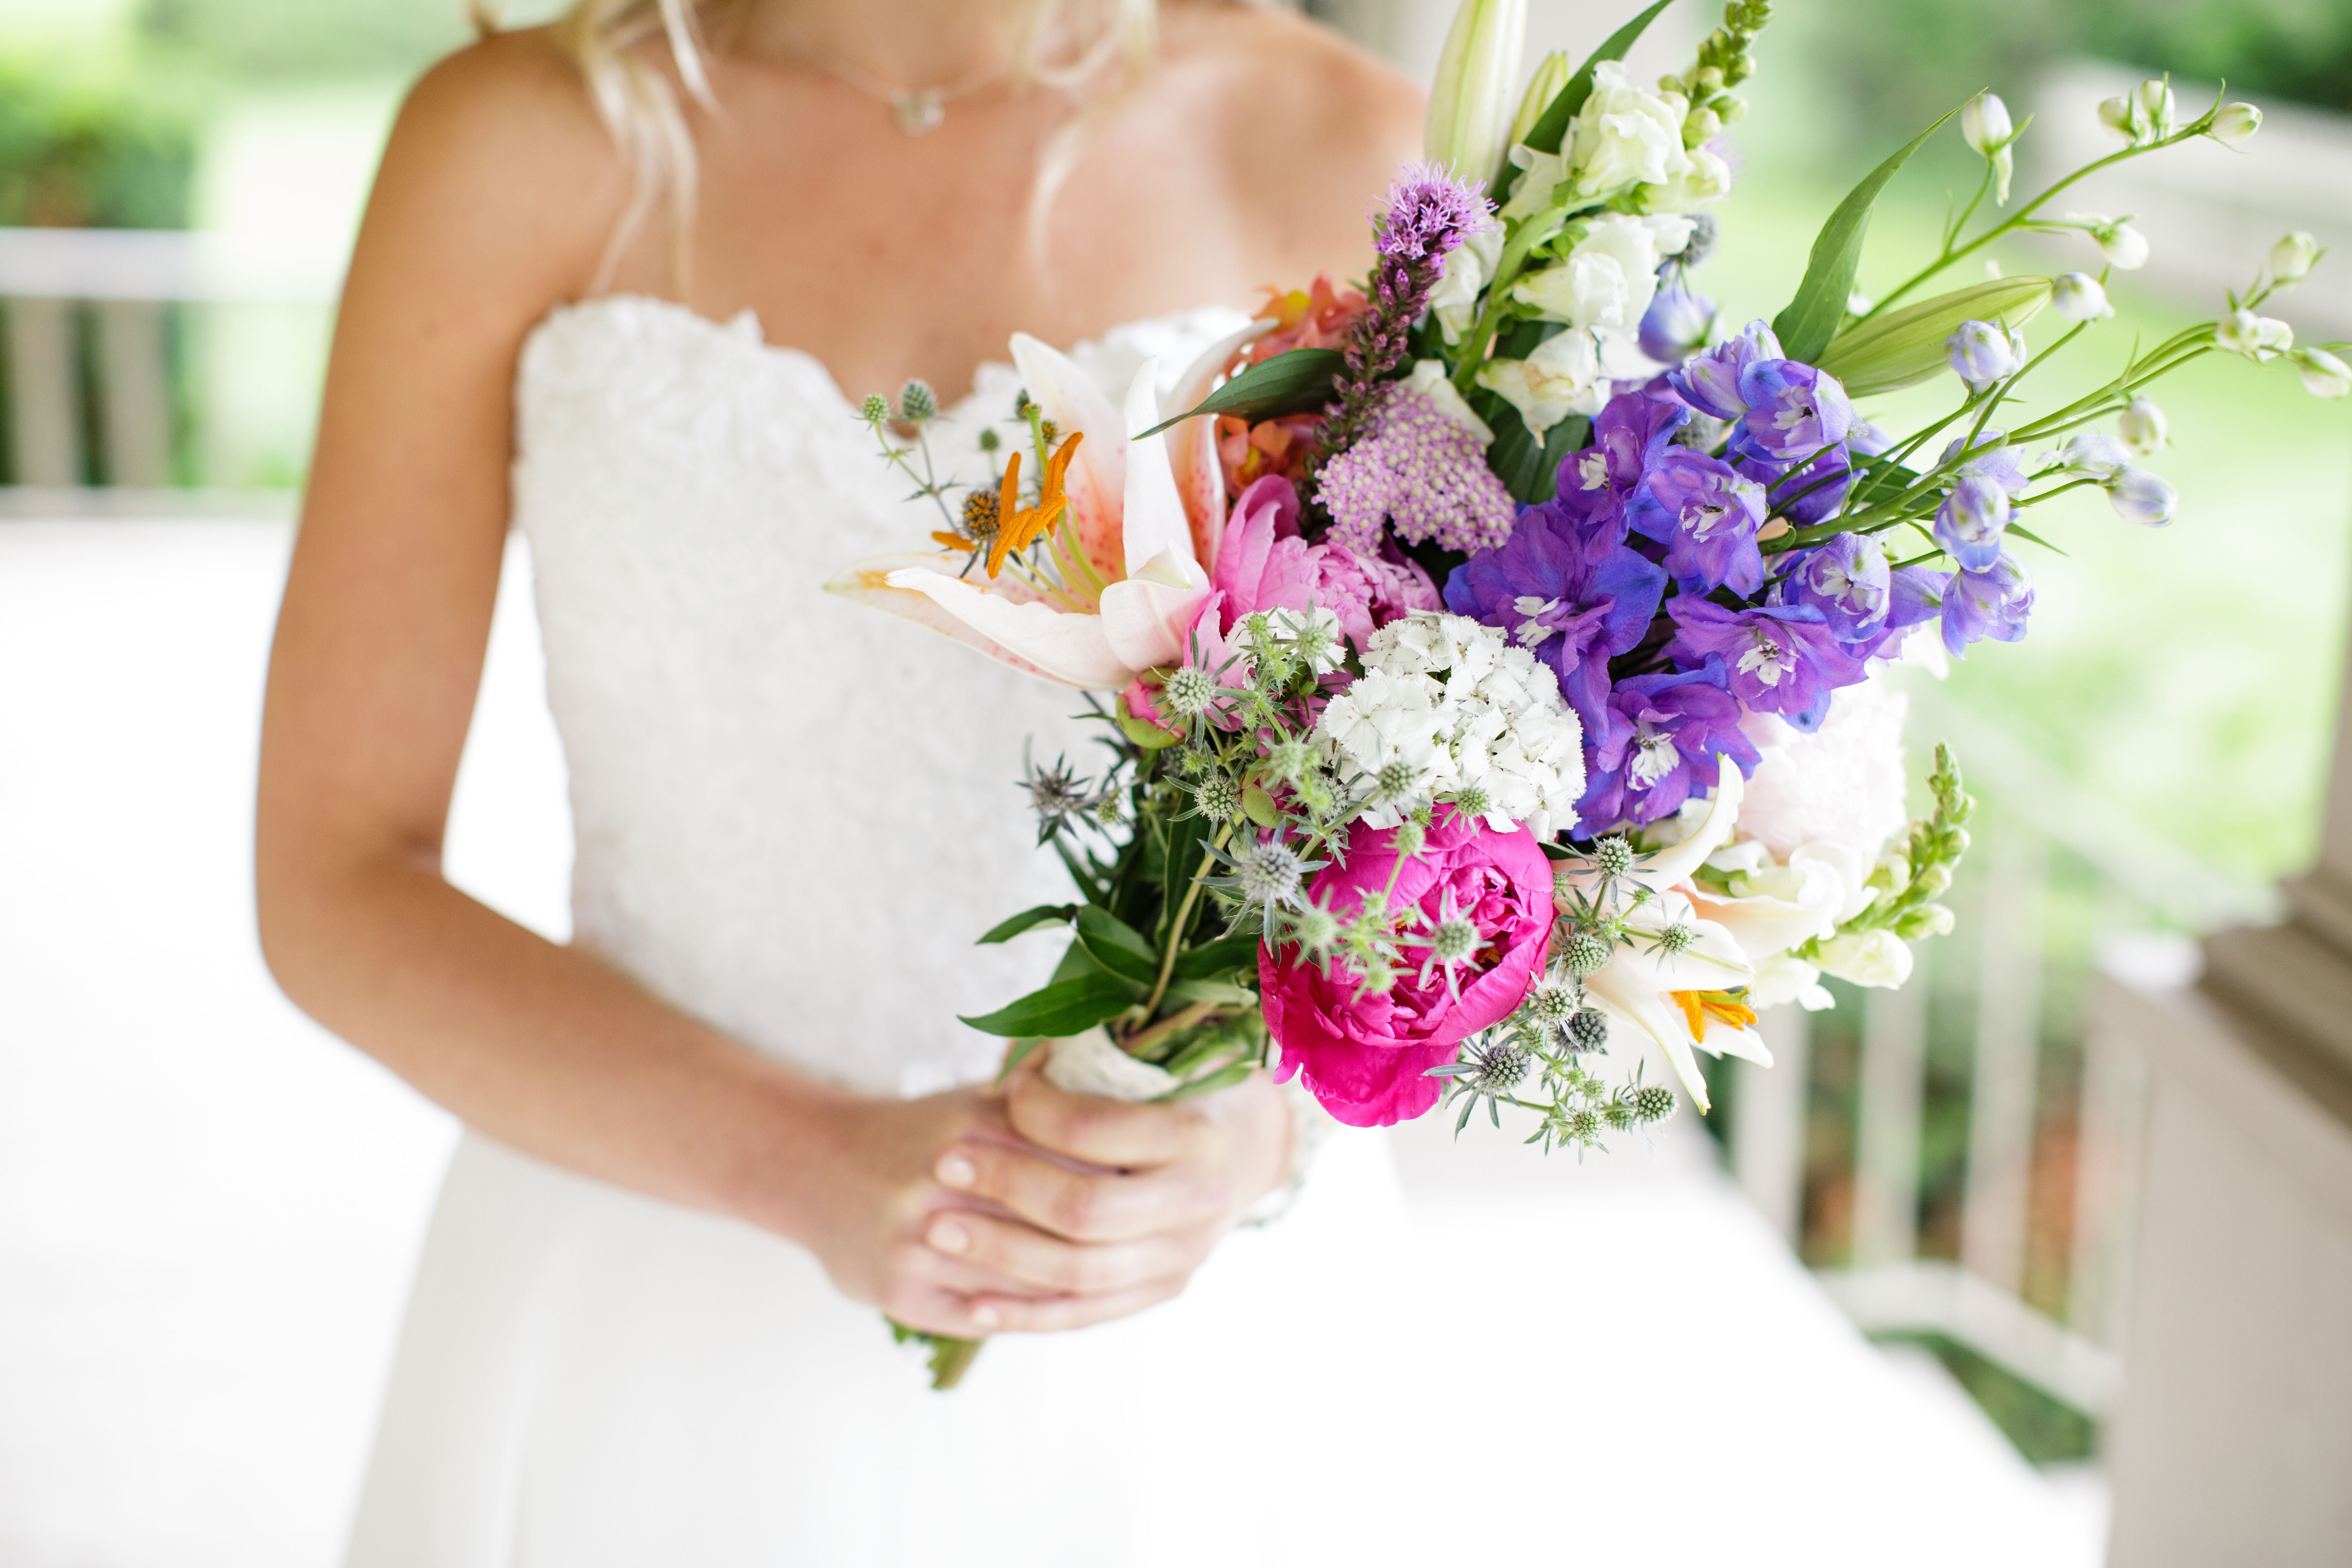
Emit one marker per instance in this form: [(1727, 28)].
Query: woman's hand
[(1097, 1208)]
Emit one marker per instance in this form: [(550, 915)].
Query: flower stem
[(1183, 914)]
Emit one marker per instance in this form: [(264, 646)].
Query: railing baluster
[(45, 440), (1768, 1130), (136, 390), (2008, 1051), (1886, 1155)]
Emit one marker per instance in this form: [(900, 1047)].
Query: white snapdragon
[(1560, 377), (2079, 296), (1448, 709), (1875, 958), (1627, 134), (1610, 276), (2256, 337), (2142, 427), (1468, 267)]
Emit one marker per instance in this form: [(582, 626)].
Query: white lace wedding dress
[(793, 815)]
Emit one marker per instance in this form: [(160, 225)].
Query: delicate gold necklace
[(917, 110)]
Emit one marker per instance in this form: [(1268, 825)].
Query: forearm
[(542, 1048)]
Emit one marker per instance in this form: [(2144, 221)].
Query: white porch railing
[(2054, 883), (124, 284)]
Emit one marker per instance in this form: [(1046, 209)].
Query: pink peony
[(1264, 564), (1367, 1057)]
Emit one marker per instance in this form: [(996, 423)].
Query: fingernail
[(948, 1237), (956, 1171), (985, 1316)]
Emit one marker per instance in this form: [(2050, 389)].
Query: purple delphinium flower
[(1806, 492), (1676, 322), (1993, 604), (1710, 381), (1706, 515), (1992, 458), (1594, 485), (1846, 577), (1792, 410), (1914, 594), (1419, 471), (1781, 658), (1659, 748), (1972, 519), (1573, 612), (1427, 213)]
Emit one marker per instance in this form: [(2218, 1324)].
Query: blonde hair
[(1062, 44)]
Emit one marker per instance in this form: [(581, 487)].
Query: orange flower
[(1018, 527), (1698, 1006)]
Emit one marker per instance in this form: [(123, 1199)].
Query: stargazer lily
[(1128, 524), (1669, 982)]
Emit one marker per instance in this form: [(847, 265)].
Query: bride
[(622, 283)]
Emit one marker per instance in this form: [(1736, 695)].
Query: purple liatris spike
[(1419, 471), (1427, 212)]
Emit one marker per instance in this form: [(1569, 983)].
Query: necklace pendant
[(919, 110)]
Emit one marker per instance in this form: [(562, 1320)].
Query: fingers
[(1103, 1131), (1074, 1204), (1046, 1265), (1014, 1315)]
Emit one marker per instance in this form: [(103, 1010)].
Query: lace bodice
[(794, 814)]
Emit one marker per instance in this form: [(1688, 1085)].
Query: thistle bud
[(2142, 427), (1551, 74), (917, 402), (2324, 375), (875, 409), (2234, 124), (2079, 296), (1468, 108), (2293, 257)]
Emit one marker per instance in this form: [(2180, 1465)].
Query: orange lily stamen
[(1008, 502), (952, 541), (1019, 530), (1698, 1006)]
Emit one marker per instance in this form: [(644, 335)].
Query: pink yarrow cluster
[(1419, 471)]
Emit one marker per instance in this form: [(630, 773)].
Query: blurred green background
[(2187, 676)]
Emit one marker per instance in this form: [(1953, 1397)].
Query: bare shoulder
[(1312, 126), (498, 164)]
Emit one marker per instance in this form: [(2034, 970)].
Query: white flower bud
[(1876, 958), (2141, 497), (2124, 247), (1981, 354), (2078, 297), (2152, 106), (2142, 428), (2258, 338), (1984, 121), (2234, 124), (2324, 375), (2092, 454), (1469, 102), (2293, 257), (2116, 117)]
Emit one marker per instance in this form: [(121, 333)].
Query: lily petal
[(1070, 648), (869, 582), (1096, 484), (1145, 617), (1152, 522), (1655, 1015), (1193, 446), (1676, 862)]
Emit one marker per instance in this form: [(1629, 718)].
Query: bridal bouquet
[(1486, 653)]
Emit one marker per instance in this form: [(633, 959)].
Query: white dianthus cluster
[(1448, 709)]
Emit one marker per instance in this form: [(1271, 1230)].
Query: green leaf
[(1219, 991), (1529, 468), (1028, 919), (1298, 381), (1066, 1007), (1221, 956), (1148, 736), (1258, 805), (1018, 1053), (1117, 946), (1084, 879), (2026, 533), (1812, 318), (1903, 347), (1551, 127)]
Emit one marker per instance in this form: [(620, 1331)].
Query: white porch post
[(2233, 1439)]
